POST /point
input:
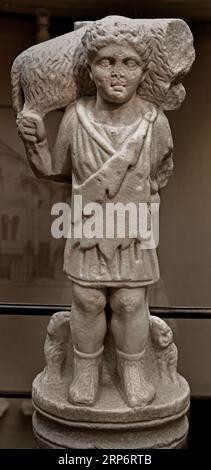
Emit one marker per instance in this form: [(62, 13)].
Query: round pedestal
[(110, 423), (71, 435)]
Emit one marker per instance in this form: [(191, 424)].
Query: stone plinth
[(110, 423)]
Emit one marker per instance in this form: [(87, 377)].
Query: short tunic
[(108, 262), (93, 155)]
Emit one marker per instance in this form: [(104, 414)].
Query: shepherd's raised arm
[(55, 165)]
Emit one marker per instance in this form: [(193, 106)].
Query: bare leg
[(88, 321), (130, 326), (88, 328), (130, 319)]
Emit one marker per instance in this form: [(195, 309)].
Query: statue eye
[(131, 63), (105, 62)]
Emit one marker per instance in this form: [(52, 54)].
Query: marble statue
[(114, 78)]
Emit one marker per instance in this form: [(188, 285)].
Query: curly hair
[(102, 33), (156, 79)]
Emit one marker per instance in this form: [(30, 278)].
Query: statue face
[(116, 71), (161, 334), (164, 337)]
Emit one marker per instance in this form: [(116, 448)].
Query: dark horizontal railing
[(15, 394), (187, 313)]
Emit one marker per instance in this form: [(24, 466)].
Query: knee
[(128, 301), (88, 300)]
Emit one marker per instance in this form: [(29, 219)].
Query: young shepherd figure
[(116, 147)]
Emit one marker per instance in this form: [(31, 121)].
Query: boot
[(136, 388), (84, 387)]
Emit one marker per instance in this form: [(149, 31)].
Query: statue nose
[(117, 72)]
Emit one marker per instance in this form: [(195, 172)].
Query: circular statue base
[(110, 422), (52, 434)]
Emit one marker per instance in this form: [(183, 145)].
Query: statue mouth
[(118, 86)]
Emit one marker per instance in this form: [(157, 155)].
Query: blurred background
[(31, 261)]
